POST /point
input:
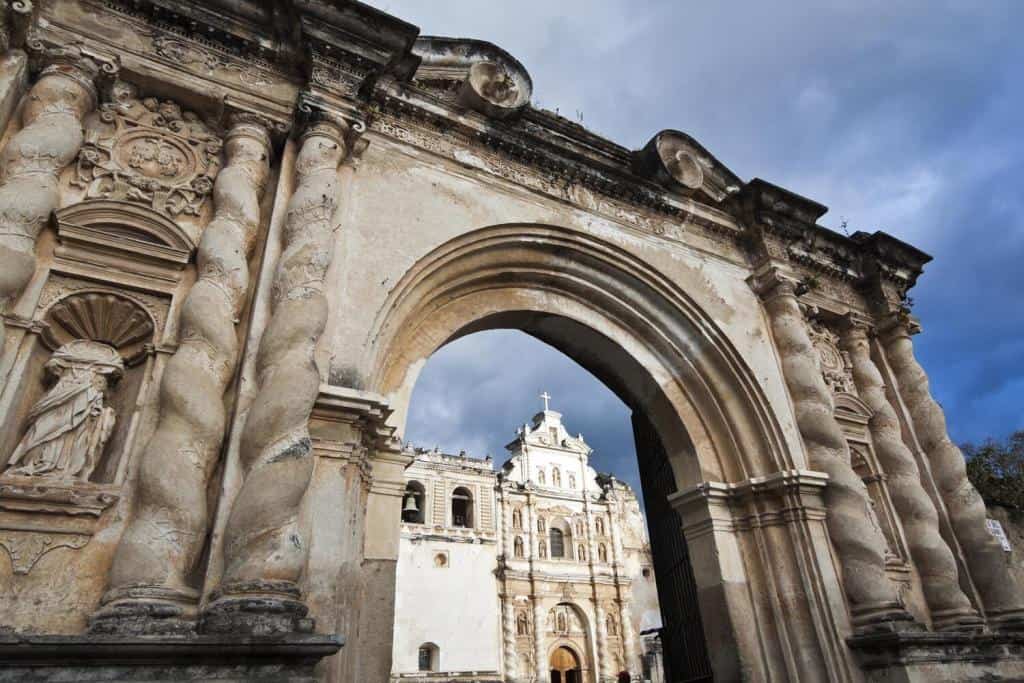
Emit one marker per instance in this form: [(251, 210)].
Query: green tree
[(996, 469)]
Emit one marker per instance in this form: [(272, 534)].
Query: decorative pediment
[(116, 225), (489, 80), (678, 162)]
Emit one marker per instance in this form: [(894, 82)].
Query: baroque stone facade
[(540, 570), (232, 232)]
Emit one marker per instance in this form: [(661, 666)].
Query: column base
[(171, 659), (887, 618), (922, 657), (1006, 621), (146, 610), (964, 620), (259, 608)]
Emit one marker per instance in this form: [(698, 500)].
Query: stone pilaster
[(949, 606), (630, 640), (50, 138), (1000, 594), (149, 586), (873, 598), (263, 549)]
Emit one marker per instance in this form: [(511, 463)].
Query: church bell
[(410, 504)]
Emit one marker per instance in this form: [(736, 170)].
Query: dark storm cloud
[(898, 116), (474, 392)]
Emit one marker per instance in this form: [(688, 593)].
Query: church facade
[(232, 232), (539, 570)]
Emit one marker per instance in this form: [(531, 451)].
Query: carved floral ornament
[(148, 151)]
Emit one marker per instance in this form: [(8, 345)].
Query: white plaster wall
[(456, 607)]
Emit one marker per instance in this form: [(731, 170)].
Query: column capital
[(769, 282), (314, 116), (855, 325), (256, 126), (73, 61), (898, 324)]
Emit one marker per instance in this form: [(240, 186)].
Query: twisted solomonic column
[(508, 640), (852, 525), (149, 587), (604, 659), (49, 140), (540, 663), (630, 646), (1000, 594), (949, 606), (263, 550)]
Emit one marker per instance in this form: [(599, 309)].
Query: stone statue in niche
[(69, 426)]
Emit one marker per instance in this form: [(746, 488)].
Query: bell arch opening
[(698, 413)]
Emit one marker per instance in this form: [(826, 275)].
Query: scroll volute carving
[(680, 163), (94, 338), (489, 80), (494, 89)]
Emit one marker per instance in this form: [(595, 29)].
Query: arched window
[(542, 549), (522, 624), (517, 546), (413, 507), (540, 524), (599, 525), (462, 508), (556, 477), (540, 478), (429, 657), (611, 626), (517, 519), (572, 481), (602, 553), (581, 555), (557, 542)]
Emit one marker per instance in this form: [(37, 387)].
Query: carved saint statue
[(70, 424)]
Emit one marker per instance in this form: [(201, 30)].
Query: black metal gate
[(682, 635)]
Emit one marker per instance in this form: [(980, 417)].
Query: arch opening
[(698, 412)]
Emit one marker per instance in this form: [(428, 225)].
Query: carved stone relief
[(835, 363), (69, 426), (148, 151), (66, 295), (206, 61), (26, 547)]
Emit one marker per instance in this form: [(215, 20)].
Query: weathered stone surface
[(271, 338), (60, 659)]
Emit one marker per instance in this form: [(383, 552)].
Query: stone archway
[(565, 666), (667, 359)]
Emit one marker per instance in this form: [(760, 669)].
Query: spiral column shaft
[(986, 560), (263, 550), (852, 525), (935, 562), (149, 580), (30, 166)]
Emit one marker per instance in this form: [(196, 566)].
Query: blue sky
[(906, 117)]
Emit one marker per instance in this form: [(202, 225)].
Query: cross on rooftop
[(547, 397)]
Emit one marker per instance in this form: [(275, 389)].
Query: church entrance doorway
[(565, 666)]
